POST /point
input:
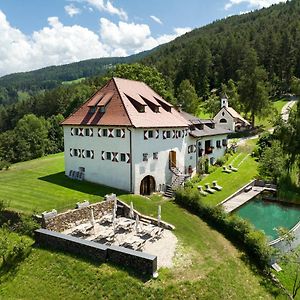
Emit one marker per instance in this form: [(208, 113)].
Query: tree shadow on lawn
[(81, 186)]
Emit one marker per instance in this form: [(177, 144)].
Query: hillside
[(207, 56), (213, 54), (203, 255), (51, 77)]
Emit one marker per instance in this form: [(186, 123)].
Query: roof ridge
[(122, 101)]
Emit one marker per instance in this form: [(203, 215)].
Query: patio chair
[(225, 170), (216, 186), (201, 191), (208, 189), (231, 168)]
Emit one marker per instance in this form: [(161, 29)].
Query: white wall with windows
[(103, 152)]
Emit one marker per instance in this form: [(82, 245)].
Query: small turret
[(224, 101)]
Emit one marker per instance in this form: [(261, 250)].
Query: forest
[(252, 58)]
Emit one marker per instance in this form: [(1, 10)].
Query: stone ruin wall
[(77, 216)]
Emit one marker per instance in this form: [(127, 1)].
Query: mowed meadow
[(206, 265)]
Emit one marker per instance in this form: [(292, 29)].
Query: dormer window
[(102, 109), (92, 109)]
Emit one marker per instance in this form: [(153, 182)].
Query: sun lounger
[(201, 191), (226, 170), (208, 189), (248, 188), (216, 186), (231, 168)]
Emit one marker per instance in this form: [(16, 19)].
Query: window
[(118, 132), (88, 153), (145, 156), (75, 152), (102, 109), (76, 131), (218, 144), (81, 169), (155, 155), (168, 134), (108, 155), (150, 134), (92, 109), (123, 157), (104, 132), (223, 121), (224, 142), (87, 132)]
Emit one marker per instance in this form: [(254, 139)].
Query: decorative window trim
[(122, 157), (128, 158), (118, 132), (108, 156), (110, 132), (105, 132), (156, 133)]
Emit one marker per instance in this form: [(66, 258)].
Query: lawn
[(247, 170), (207, 266), (267, 122), (40, 185)]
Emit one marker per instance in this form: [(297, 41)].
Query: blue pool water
[(267, 215)]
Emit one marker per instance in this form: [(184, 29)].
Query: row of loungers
[(209, 190)]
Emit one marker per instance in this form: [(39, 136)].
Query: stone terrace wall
[(143, 263), (73, 217)]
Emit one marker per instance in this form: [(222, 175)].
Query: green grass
[(73, 81), (22, 96), (247, 170), (267, 122), (287, 277), (40, 185), (207, 266)]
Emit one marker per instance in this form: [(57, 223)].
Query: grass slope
[(207, 266), (40, 185), (247, 170)]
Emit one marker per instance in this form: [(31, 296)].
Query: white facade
[(224, 119), (123, 159)]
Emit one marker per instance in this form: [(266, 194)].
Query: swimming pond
[(268, 215)]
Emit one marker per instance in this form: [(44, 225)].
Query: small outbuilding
[(230, 119)]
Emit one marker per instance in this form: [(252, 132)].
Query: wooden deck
[(242, 198)]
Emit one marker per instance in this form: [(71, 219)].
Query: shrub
[(233, 227), (221, 161), (13, 247), (4, 165)]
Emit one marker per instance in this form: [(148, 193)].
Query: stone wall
[(74, 217), (66, 220), (142, 263)]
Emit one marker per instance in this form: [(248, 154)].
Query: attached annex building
[(128, 137)]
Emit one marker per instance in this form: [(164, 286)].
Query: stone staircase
[(178, 179)]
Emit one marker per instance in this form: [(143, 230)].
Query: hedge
[(236, 229)]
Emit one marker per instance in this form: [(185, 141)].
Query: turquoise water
[(267, 215)]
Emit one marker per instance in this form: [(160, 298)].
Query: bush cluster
[(4, 165), (236, 229)]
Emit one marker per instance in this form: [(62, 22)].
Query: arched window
[(223, 121)]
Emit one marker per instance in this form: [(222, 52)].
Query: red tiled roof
[(119, 96)]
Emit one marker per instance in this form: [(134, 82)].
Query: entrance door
[(172, 159), (147, 185)]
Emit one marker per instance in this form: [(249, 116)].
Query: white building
[(126, 136), (230, 119)]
